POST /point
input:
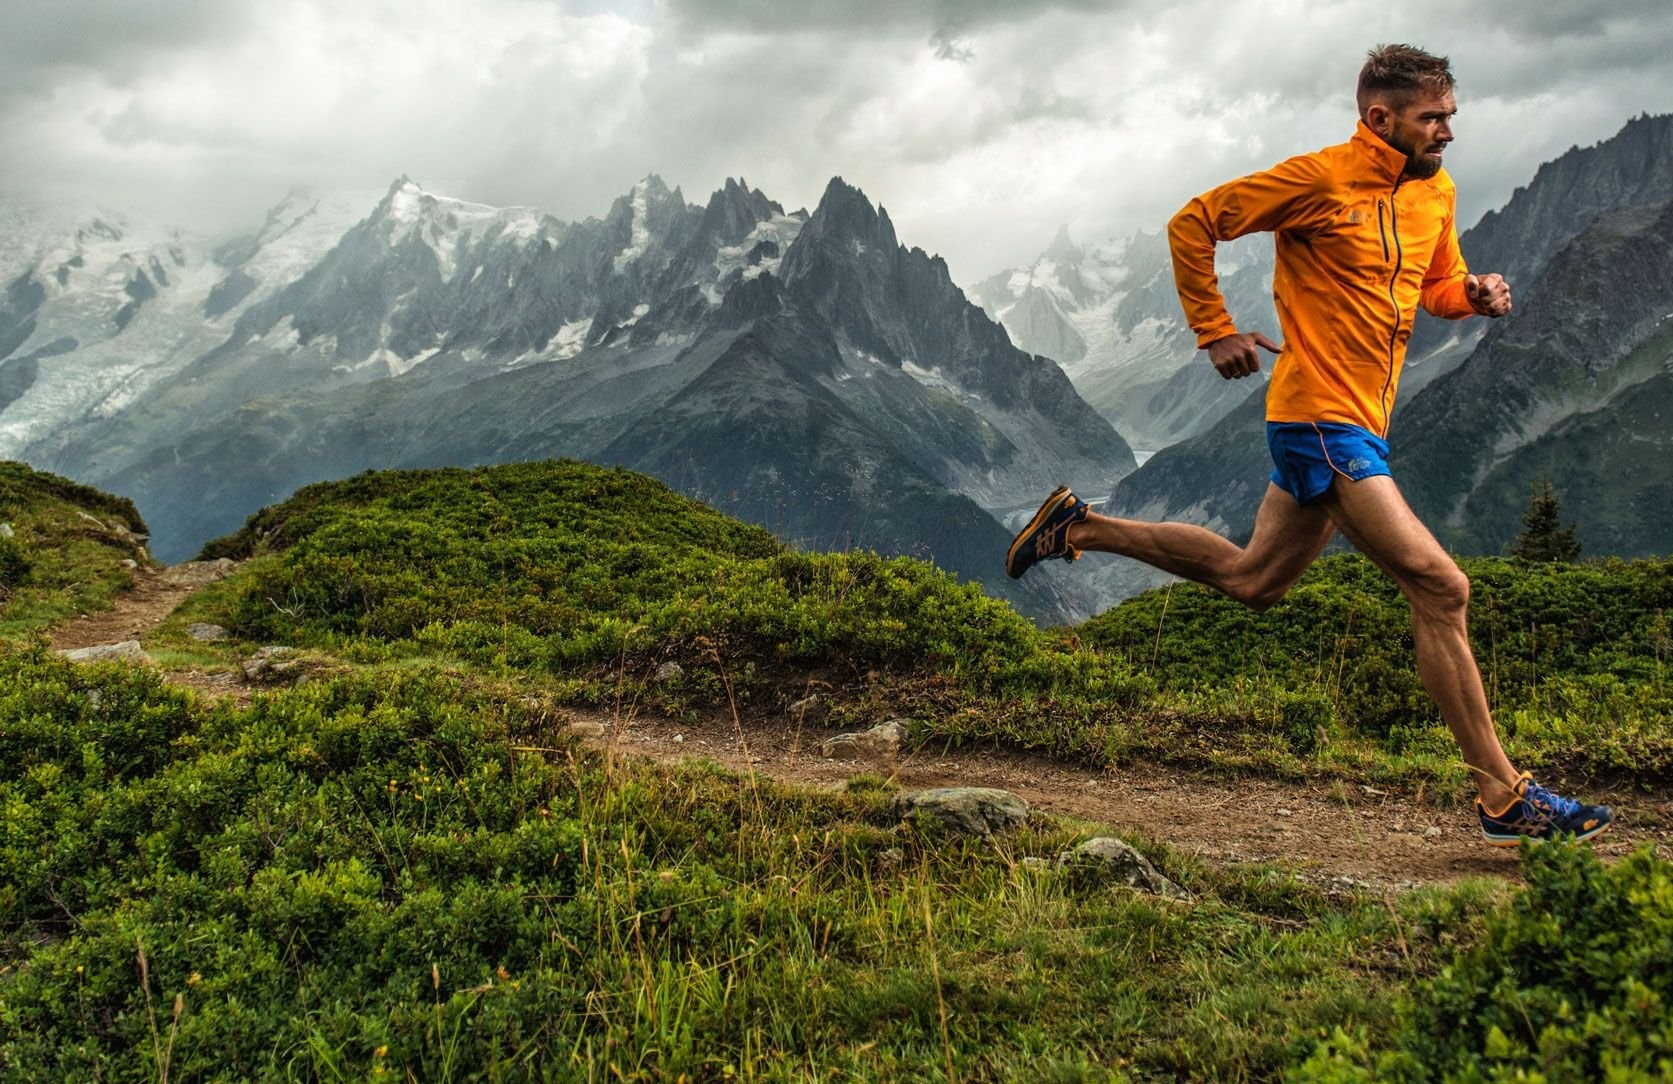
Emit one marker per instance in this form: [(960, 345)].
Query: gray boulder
[(198, 630), (670, 671), (1109, 859), (127, 651), (6, 530), (975, 811), (881, 742)]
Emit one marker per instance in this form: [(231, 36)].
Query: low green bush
[(67, 550), (1570, 981), (390, 876), (14, 565)]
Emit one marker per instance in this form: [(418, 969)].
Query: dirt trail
[(1337, 834), (156, 593)]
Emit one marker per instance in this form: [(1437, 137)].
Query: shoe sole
[(1511, 841), (1040, 517)]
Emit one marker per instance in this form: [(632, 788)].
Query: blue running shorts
[(1308, 456)]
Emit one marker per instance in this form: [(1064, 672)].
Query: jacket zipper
[(1399, 256)]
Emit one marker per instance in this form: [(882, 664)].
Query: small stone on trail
[(678, 739), (127, 650), (881, 742), (1431, 832), (809, 711), (670, 671), (586, 730), (1285, 812), (199, 630), (270, 663)]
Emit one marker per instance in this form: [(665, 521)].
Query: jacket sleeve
[(1443, 284), (1292, 195)]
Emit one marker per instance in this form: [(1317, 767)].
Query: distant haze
[(980, 125)]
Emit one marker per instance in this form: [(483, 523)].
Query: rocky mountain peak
[(844, 212), (734, 209), (1062, 249)]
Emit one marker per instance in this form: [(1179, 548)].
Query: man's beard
[(1417, 165)]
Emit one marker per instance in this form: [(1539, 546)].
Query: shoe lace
[(1548, 802)]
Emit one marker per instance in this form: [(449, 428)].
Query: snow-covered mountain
[(1109, 315), (98, 308), (806, 371)]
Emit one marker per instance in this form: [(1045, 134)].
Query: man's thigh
[(1287, 536), (1374, 516)]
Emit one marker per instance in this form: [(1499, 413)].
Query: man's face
[(1421, 129)]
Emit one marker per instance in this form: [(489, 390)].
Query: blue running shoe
[(1538, 814), (1047, 534)]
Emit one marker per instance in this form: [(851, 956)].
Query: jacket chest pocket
[(1360, 245)]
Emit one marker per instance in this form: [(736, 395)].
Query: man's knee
[(1260, 593), (1443, 591)]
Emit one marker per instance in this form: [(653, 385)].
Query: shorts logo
[(1357, 464)]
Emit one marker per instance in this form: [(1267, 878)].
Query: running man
[(1364, 233)]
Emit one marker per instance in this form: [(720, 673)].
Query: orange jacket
[(1358, 250)]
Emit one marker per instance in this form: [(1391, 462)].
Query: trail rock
[(198, 630), (881, 742), (975, 811), (1106, 858), (6, 530), (585, 730), (272, 663), (199, 573), (670, 671), (127, 651), (810, 711)]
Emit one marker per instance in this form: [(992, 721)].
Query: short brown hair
[(1396, 74)]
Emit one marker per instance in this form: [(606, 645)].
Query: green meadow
[(403, 868)]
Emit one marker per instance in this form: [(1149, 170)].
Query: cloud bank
[(980, 125)]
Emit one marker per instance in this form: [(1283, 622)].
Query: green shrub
[(1571, 981), (68, 551), (14, 564), (1580, 651)]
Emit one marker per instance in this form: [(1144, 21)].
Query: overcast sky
[(981, 126)]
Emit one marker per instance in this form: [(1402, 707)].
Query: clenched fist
[(1489, 294)]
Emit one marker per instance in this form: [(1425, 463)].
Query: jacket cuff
[(1448, 300), (1214, 332)]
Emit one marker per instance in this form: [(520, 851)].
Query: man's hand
[(1235, 356), (1489, 294)]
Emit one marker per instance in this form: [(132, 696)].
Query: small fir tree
[(1543, 537)]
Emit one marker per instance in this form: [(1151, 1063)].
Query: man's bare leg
[(1374, 516), (1286, 540)]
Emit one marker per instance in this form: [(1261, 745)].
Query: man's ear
[(1378, 117)]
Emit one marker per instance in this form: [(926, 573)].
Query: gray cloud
[(981, 125), (45, 40)]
